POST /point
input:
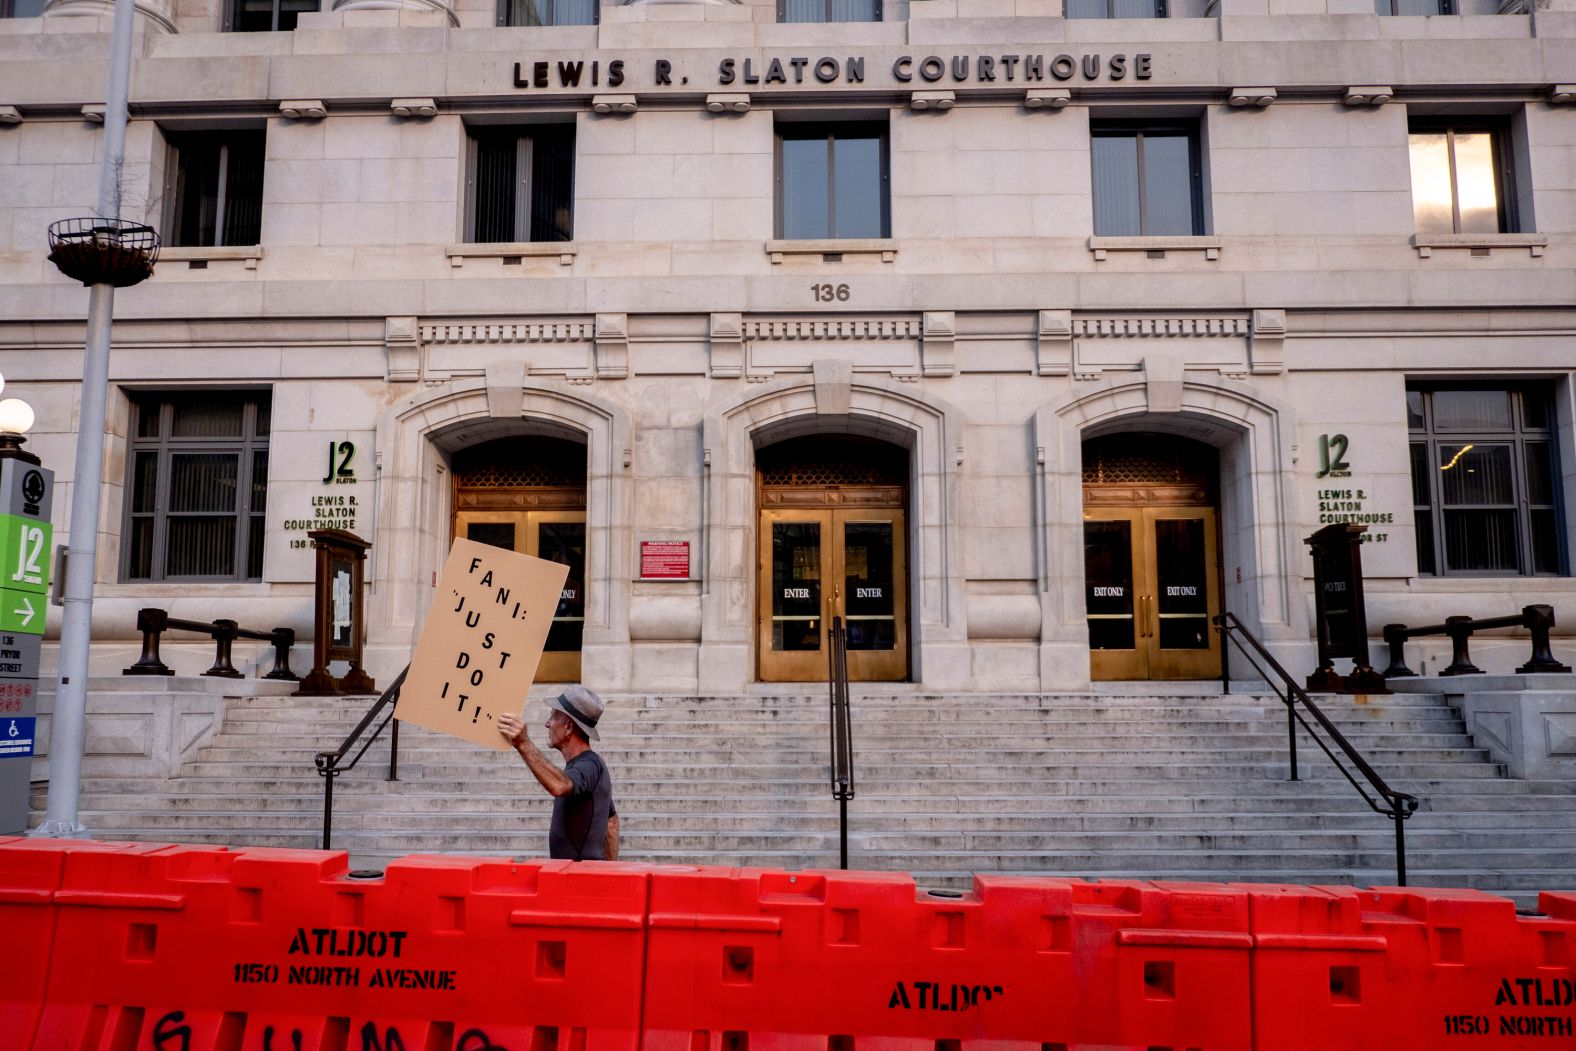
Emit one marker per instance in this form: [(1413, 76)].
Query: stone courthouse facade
[(1023, 336)]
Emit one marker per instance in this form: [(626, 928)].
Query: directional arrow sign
[(21, 611)]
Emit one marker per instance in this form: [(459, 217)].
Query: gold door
[(819, 564), (558, 536), (1152, 583)]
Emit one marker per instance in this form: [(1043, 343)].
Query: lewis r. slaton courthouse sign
[(482, 641)]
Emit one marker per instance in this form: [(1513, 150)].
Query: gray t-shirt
[(579, 828)]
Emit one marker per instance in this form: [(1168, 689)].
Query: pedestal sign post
[(26, 493), (1339, 612), (337, 614)]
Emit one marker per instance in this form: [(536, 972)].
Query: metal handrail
[(841, 728), (1398, 806), (328, 763)]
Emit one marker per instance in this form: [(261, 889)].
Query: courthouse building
[(1025, 335)]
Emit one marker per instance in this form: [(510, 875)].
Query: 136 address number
[(828, 293)]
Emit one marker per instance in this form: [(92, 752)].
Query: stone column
[(150, 15)]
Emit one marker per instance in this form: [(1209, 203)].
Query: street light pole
[(68, 727)]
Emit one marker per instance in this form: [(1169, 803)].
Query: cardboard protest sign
[(482, 641)]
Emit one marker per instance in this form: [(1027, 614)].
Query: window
[(832, 181), (828, 10), (1148, 180), (547, 12), (21, 8), (1116, 8), (1461, 181), (1415, 7), (215, 189), (266, 16), (1485, 480), (521, 184), (198, 486)]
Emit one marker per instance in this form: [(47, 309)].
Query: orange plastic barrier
[(30, 872), (195, 948), (115, 947), (771, 961), (1410, 968)]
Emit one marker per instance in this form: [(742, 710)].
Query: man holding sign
[(585, 821)]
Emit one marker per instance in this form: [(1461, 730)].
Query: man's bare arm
[(557, 783)]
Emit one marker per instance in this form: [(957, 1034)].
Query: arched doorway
[(1151, 556), (832, 543), (528, 494)]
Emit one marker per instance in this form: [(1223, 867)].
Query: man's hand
[(512, 727)]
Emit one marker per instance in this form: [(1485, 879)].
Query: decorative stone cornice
[(833, 328), (441, 332), (1171, 327)]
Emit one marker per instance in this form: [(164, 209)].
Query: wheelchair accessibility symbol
[(13, 731)]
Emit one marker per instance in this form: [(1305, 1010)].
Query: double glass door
[(558, 536), (1151, 586), (820, 564)]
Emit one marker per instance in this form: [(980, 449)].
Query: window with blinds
[(197, 486), (1486, 480), (1115, 8), (547, 12), (1148, 179), (214, 191), (266, 16), (828, 10), (520, 184), (1414, 7), (832, 181), (1461, 178)]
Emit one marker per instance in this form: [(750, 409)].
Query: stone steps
[(1131, 785)]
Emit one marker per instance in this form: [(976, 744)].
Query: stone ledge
[(1427, 243), (248, 254), (564, 250), (885, 247), (1208, 244)]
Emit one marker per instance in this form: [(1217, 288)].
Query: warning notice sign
[(482, 641)]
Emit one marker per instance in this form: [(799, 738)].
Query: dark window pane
[(1115, 159), (1545, 540), (254, 547), (196, 212), (201, 547), (552, 184), (805, 188), (139, 562), (144, 483), (1535, 411), (260, 481), (1134, 9), (243, 203), (1168, 185), (1087, 9), (27, 8), (1108, 578), (496, 188), (203, 482), (1540, 473), (265, 416), (857, 191), (209, 415), (1481, 540), (1181, 566), (148, 416), (1414, 410), (493, 534), (1424, 521), (1476, 474), (565, 543), (869, 597), (1420, 493), (796, 586), (1472, 410)]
